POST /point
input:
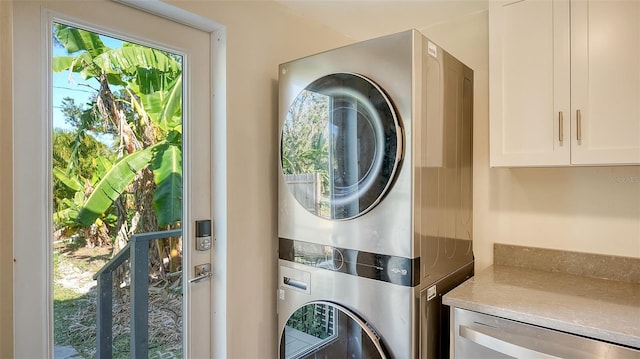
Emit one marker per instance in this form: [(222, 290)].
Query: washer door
[(341, 146), (326, 330)]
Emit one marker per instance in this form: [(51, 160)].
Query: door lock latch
[(202, 272)]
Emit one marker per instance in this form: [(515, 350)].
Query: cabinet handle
[(579, 125), (560, 127)]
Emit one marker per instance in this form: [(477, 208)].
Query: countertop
[(597, 308)]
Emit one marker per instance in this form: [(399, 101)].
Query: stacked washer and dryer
[(375, 198)]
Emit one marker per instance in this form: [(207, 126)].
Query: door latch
[(202, 272)]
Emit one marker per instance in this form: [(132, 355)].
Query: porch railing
[(137, 250)]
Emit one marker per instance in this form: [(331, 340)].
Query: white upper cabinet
[(605, 82), (564, 82), (529, 83)]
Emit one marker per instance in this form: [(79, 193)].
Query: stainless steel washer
[(341, 303), (376, 174)]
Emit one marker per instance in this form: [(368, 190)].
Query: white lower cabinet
[(479, 336), (564, 82)]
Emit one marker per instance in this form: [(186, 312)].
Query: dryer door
[(326, 330), (341, 146)]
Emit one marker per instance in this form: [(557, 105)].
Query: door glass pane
[(322, 330), (117, 172), (340, 146)]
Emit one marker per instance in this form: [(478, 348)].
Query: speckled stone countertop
[(597, 308)]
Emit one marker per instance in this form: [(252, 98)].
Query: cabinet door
[(529, 83), (605, 76)]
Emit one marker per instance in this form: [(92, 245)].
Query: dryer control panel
[(382, 267)]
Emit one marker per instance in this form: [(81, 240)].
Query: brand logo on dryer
[(401, 271)]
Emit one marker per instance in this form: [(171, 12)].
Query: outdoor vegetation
[(314, 319), (305, 148), (117, 171)]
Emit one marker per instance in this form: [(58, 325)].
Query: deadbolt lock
[(203, 235), (203, 243)]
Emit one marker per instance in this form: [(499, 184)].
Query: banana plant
[(165, 158), (152, 80), (66, 216)]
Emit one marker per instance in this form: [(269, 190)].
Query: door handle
[(295, 283), (202, 272), (200, 277)]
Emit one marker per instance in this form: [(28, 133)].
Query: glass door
[(124, 166), (117, 173)]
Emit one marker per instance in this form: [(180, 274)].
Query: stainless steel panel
[(434, 316), (427, 211), (388, 308), (426, 215), (443, 166), (480, 336), (387, 228)]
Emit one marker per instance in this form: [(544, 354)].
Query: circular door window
[(341, 145), (326, 330)]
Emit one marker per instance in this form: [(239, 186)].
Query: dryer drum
[(323, 329), (341, 146)]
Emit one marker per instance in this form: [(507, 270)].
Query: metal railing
[(137, 250)]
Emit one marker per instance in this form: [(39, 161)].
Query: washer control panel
[(382, 267)]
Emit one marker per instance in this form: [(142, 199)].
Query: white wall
[(584, 209)]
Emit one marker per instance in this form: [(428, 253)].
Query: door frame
[(37, 311)]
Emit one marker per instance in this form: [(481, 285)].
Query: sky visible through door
[(117, 172)]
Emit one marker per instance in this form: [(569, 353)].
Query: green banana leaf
[(133, 57), (167, 171), (61, 63), (65, 217), (75, 64), (73, 183), (68, 210), (165, 107), (152, 80), (75, 40), (103, 165), (113, 184)]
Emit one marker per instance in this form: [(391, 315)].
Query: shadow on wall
[(591, 191)]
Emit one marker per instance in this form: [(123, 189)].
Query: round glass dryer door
[(341, 145), (326, 330)]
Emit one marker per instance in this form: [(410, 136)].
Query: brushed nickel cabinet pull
[(579, 125), (560, 127)]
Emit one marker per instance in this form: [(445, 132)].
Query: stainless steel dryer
[(375, 189)]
